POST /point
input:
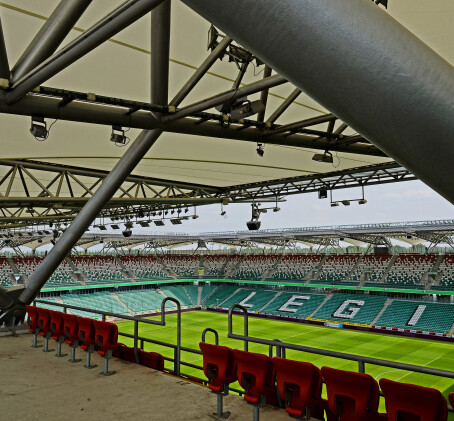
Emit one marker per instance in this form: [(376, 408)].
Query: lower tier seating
[(294, 304), (141, 301), (252, 299)]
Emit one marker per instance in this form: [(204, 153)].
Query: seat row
[(297, 385), (90, 335)]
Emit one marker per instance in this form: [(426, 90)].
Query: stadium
[(132, 130)]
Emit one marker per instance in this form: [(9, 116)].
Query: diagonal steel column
[(4, 65), (50, 36), (219, 99), (200, 72), (391, 87), (110, 25), (301, 124), (264, 95), (281, 109)]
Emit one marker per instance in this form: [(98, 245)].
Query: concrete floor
[(37, 385)]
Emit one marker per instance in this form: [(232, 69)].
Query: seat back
[(86, 332), (70, 328), (255, 374), (451, 399), (43, 320), (151, 359), (56, 324), (106, 336), (124, 352), (32, 318), (218, 365), (408, 401), (299, 384), (351, 396)]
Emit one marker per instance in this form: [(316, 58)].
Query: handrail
[(216, 335)]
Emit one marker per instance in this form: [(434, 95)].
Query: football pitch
[(427, 353)]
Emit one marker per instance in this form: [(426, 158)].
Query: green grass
[(421, 352)]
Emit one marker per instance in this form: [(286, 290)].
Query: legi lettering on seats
[(349, 309), (244, 302), (416, 315), (293, 301)]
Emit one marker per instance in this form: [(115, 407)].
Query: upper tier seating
[(142, 301), (213, 264), (294, 304), (100, 269), (61, 278), (446, 273), (409, 269), (296, 266), (372, 266), (6, 273), (337, 268), (143, 267), (418, 315), (254, 299), (184, 265), (351, 308), (254, 266)]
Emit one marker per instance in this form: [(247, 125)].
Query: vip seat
[(351, 396), (125, 353), (409, 402), (151, 359), (219, 367), (256, 376), (71, 334), (32, 321), (87, 338), (106, 338), (300, 386), (57, 330), (44, 326)]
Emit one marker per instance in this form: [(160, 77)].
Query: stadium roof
[(201, 159)]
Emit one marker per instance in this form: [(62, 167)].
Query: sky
[(398, 202)]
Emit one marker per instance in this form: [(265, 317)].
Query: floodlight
[(127, 233), (334, 204), (40, 240), (362, 201), (39, 129), (224, 212), (195, 216), (409, 237), (323, 193), (276, 209), (325, 157), (346, 202), (176, 221), (102, 227), (159, 223), (253, 225), (260, 150), (144, 224), (140, 213), (115, 226), (118, 136), (129, 225)]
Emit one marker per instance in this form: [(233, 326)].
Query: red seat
[(125, 353), (32, 318), (256, 376), (151, 360), (56, 324), (408, 402), (86, 338), (43, 321), (451, 399), (300, 385), (351, 396), (218, 366), (106, 336), (71, 333)]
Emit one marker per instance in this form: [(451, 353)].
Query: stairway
[(269, 302), (272, 269), (377, 317), (78, 274), (14, 268), (390, 265), (230, 296), (201, 266), (208, 296), (122, 303), (224, 267), (451, 331), (328, 297), (314, 273), (124, 270), (199, 296), (230, 272), (358, 261), (435, 270), (167, 270)]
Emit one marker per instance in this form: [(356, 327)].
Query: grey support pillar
[(280, 110), (264, 95), (391, 87), (110, 25), (4, 65), (50, 36)]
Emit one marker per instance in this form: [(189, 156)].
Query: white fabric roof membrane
[(122, 69)]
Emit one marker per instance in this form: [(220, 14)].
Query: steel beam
[(391, 88), (281, 109), (4, 65), (230, 95), (201, 71), (110, 25), (300, 124), (264, 95), (50, 36)]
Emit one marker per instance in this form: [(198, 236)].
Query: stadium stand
[(446, 274), (213, 264), (99, 269), (409, 270), (221, 293), (351, 308), (296, 266), (141, 301), (143, 267), (252, 299), (207, 290), (253, 266), (179, 293), (6, 273), (184, 265), (294, 304), (337, 268), (418, 315), (193, 292), (103, 301)]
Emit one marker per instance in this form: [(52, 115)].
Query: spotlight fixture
[(362, 201), (101, 241), (323, 193), (127, 233), (40, 240), (53, 242), (224, 212), (409, 237), (186, 210), (341, 238), (325, 157), (129, 225), (172, 211), (176, 221), (118, 136), (115, 227), (55, 233), (102, 227), (334, 204), (276, 209), (159, 223), (346, 202), (253, 225), (260, 150), (195, 216), (39, 129), (144, 224), (140, 213), (241, 108)]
